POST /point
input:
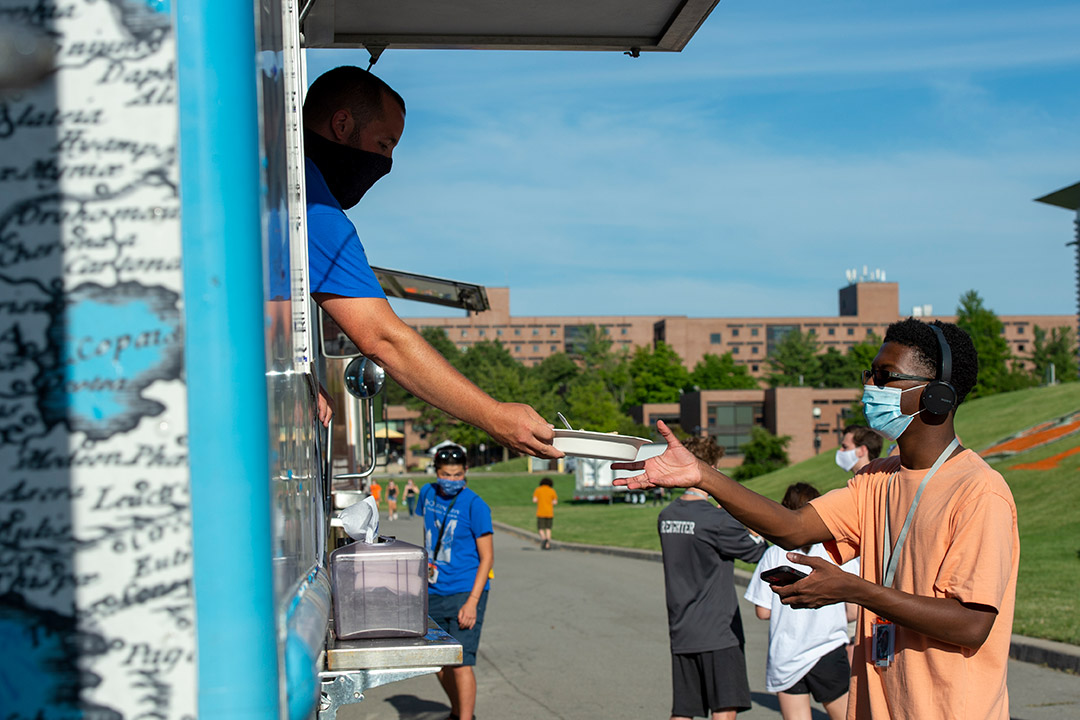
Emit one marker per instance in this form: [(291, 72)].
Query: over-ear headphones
[(939, 396)]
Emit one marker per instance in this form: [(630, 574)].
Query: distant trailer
[(594, 479)]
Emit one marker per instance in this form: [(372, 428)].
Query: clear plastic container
[(380, 589)]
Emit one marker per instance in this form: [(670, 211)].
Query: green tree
[(837, 370), (592, 407), (598, 357), (861, 356), (988, 334), (764, 453), (657, 375), (795, 361), (721, 372), (1057, 349)]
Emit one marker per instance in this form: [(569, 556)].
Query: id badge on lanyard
[(884, 642), (883, 638)]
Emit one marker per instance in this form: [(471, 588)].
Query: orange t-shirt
[(376, 491), (545, 498), (963, 543)]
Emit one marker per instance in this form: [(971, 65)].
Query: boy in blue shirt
[(461, 553)]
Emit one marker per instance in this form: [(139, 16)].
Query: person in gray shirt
[(700, 542)]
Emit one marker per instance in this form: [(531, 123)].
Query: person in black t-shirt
[(700, 542)]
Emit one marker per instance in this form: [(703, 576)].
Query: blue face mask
[(882, 407), (450, 488)]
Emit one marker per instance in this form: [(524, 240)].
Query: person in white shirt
[(807, 648)]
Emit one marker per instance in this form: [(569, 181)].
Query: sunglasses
[(882, 377), (450, 456)]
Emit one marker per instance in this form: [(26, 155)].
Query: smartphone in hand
[(782, 575)]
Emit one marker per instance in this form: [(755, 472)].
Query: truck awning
[(621, 25)]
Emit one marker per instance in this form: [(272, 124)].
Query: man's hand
[(676, 467), (325, 405), (827, 584), (521, 428)]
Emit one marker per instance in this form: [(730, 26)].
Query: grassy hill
[(1047, 504)]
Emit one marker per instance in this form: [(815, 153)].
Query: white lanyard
[(889, 557)]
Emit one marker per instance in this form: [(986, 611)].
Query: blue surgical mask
[(882, 407), (450, 488)]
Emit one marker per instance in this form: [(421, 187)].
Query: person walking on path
[(411, 491), (700, 543), (546, 499), (391, 499)]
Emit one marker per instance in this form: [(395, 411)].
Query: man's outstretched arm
[(381, 335), (677, 467)]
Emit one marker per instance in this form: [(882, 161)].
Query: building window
[(1020, 331), (624, 331), (463, 347), (754, 349), (731, 424), (554, 348), (869, 332), (1020, 348), (715, 339), (481, 332), (851, 331), (775, 334), (735, 350), (734, 332), (832, 331), (517, 331), (464, 333), (536, 331), (554, 331), (499, 332), (606, 330), (517, 348), (536, 348), (753, 368), (753, 331), (575, 337)]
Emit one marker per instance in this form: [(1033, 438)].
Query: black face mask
[(349, 173)]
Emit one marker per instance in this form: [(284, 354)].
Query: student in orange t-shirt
[(546, 500), (936, 602), (376, 491)]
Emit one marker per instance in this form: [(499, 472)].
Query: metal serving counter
[(355, 666)]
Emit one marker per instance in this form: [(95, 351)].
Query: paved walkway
[(584, 634)]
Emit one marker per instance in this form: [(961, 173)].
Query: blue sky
[(789, 141)]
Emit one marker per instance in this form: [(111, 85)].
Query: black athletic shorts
[(704, 683), (828, 679), (543, 523)]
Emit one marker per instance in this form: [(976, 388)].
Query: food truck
[(167, 498)]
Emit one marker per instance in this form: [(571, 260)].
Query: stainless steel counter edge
[(435, 649)]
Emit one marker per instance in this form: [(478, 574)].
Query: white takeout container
[(601, 446)]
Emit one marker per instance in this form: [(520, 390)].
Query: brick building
[(813, 417), (864, 308)]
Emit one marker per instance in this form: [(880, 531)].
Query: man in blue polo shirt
[(353, 121)]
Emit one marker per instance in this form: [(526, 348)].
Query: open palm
[(676, 467)]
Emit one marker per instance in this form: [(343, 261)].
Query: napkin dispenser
[(380, 589)]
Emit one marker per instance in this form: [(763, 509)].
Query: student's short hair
[(451, 455), (868, 438), (348, 87), (918, 336), (547, 481), (798, 495), (704, 448)]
